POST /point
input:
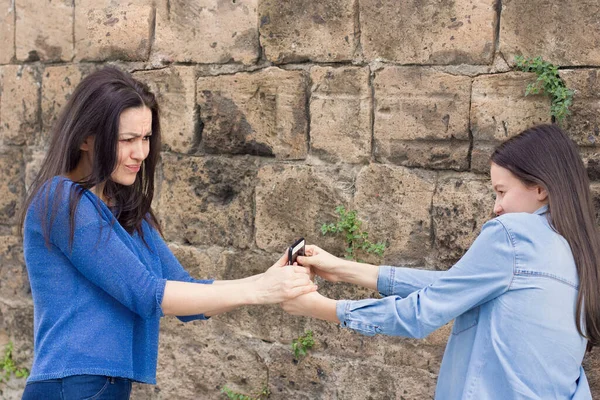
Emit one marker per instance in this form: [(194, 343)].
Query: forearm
[(321, 307), (326, 310), (185, 298), (242, 280), (361, 274)]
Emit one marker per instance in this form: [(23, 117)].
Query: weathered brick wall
[(274, 113)]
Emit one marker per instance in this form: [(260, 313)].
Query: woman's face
[(135, 129), (514, 196)]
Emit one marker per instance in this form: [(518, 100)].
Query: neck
[(80, 173)]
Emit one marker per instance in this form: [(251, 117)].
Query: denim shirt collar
[(542, 210)]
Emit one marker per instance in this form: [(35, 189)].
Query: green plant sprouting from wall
[(349, 226), (9, 367), (301, 345), (233, 395), (548, 81)]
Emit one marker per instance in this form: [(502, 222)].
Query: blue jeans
[(79, 387)]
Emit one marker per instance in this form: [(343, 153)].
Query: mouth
[(133, 168)]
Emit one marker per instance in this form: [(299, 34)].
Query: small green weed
[(349, 226), (9, 367), (233, 395), (549, 82), (301, 345)]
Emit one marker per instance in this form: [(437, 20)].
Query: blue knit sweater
[(96, 303)]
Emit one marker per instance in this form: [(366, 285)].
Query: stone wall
[(276, 112)]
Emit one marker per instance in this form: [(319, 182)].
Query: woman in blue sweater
[(101, 275), (524, 297)]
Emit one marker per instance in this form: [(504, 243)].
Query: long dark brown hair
[(94, 110), (545, 156)]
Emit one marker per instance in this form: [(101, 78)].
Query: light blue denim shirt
[(512, 296)]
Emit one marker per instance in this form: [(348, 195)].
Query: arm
[(484, 273), (279, 283), (183, 296), (387, 280), (174, 271), (103, 252)]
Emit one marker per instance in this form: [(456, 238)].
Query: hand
[(322, 263), (303, 305), (282, 282)]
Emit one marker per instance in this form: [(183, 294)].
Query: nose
[(138, 151), (497, 208)]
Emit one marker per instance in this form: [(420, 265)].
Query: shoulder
[(531, 233), (525, 225), (58, 195)]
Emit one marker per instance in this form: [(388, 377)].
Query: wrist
[(253, 294), (325, 309), (346, 271)]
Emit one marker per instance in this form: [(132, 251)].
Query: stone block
[(591, 161), (500, 110), (564, 33), (109, 30), (363, 380), (175, 90), (16, 318), (204, 31), (480, 156), (461, 205), (7, 31), (321, 31), (44, 30), (203, 262), (319, 376), (14, 282), (33, 163), (591, 365), (340, 114), (262, 113), (428, 32), (12, 185), (394, 203), (595, 191), (294, 201), (19, 104), (208, 201), (58, 83), (312, 377), (421, 118), (583, 125), (211, 356)]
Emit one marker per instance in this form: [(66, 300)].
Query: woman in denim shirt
[(517, 296)]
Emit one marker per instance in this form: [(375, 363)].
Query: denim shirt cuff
[(385, 280), (341, 309)]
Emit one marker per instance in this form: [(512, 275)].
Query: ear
[(542, 194), (88, 144)]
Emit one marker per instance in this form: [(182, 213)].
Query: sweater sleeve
[(174, 271), (103, 252)]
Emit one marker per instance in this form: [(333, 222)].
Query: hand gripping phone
[(295, 250)]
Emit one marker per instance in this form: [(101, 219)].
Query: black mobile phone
[(295, 250)]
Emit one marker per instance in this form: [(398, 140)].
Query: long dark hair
[(94, 110), (545, 156)]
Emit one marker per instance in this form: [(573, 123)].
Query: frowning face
[(135, 129)]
